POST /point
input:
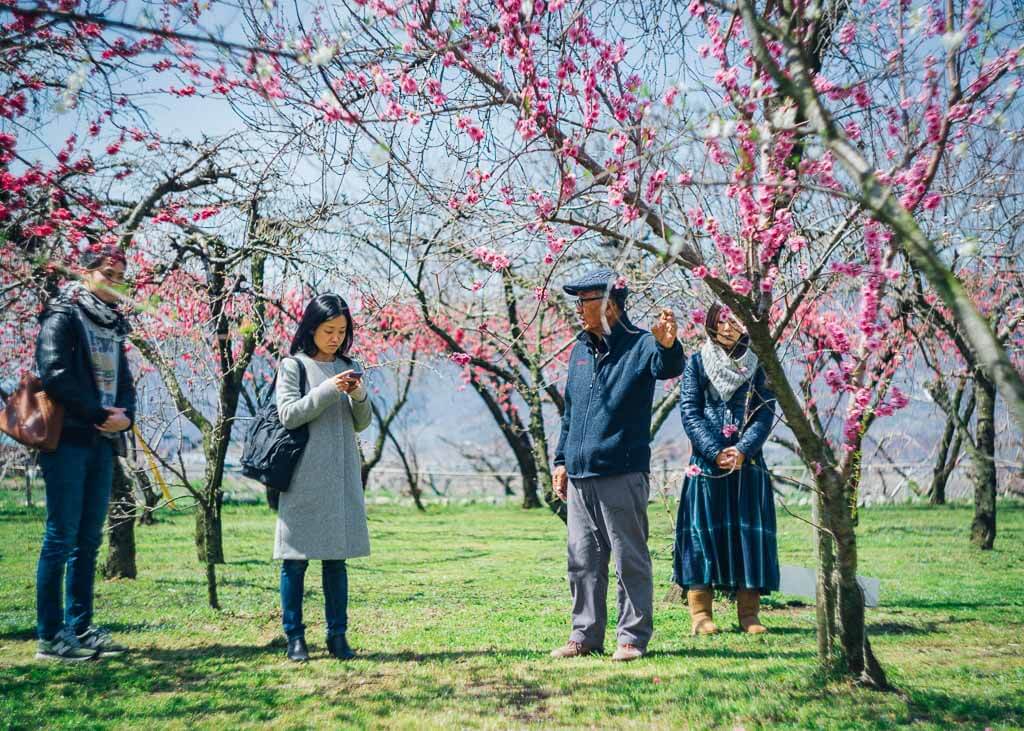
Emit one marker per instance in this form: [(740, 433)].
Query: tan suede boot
[(748, 601), (701, 610)]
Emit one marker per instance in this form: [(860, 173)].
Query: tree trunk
[(150, 497), (949, 447), (211, 585), (520, 443), (983, 527), (542, 470), (940, 473), (121, 519), (825, 599), (209, 533), (209, 536), (843, 644), (859, 660)]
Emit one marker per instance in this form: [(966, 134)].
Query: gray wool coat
[(322, 515)]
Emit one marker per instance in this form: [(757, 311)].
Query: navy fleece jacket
[(606, 425)]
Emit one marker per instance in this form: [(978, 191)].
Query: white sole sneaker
[(63, 658)]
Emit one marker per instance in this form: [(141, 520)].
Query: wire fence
[(881, 483)]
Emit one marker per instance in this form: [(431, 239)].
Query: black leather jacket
[(66, 371), (704, 415)]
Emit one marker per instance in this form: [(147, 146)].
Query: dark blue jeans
[(78, 481), (335, 578)]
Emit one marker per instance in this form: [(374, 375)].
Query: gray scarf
[(725, 374), (99, 311)]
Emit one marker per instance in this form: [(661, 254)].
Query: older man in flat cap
[(603, 460)]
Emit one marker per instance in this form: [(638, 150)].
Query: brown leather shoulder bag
[(31, 417)]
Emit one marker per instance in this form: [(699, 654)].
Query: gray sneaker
[(99, 639), (64, 647)]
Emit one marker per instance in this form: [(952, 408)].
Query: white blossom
[(322, 56), (68, 98), (952, 41), (264, 69), (785, 117)]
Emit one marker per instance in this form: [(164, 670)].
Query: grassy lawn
[(456, 610)]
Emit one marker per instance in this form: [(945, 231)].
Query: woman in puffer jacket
[(725, 531)]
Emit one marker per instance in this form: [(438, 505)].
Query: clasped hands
[(117, 420), (730, 459)]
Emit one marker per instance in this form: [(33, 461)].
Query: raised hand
[(665, 329)]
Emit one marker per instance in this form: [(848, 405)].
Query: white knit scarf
[(725, 373)]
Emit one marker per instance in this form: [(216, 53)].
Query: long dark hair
[(320, 309), (711, 322)]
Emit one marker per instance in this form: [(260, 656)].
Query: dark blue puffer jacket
[(606, 425), (704, 416)]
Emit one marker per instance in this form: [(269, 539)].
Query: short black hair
[(320, 309)]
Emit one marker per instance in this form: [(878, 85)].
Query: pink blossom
[(408, 84), (693, 471), (741, 285), (729, 430), (461, 359)]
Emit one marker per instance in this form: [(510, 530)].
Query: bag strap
[(302, 377)]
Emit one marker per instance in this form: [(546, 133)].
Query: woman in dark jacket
[(82, 365), (725, 531)]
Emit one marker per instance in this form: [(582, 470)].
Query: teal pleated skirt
[(725, 531)]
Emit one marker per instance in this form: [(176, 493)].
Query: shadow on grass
[(22, 634), (946, 710), (449, 656)]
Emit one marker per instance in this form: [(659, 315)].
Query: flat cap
[(603, 279)]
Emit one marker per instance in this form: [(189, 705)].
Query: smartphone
[(357, 370)]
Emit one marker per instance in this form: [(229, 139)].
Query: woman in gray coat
[(322, 515)]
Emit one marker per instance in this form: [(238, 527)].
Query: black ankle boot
[(297, 651), (338, 646)]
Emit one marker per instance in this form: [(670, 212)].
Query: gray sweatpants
[(608, 516)]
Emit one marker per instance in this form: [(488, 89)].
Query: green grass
[(456, 610)]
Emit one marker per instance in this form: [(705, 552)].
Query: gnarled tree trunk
[(983, 527), (121, 519)]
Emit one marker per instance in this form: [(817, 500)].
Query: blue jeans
[(78, 481), (335, 578)]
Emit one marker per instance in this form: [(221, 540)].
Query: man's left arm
[(667, 362)]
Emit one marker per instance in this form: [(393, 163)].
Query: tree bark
[(150, 497), (209, 533), (944, 463), (211, 585), (825, 599), (518, 439), (540, 450), (121, 519), (983, 527), (949, 447)]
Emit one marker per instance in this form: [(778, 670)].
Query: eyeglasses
[(580, 301)]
